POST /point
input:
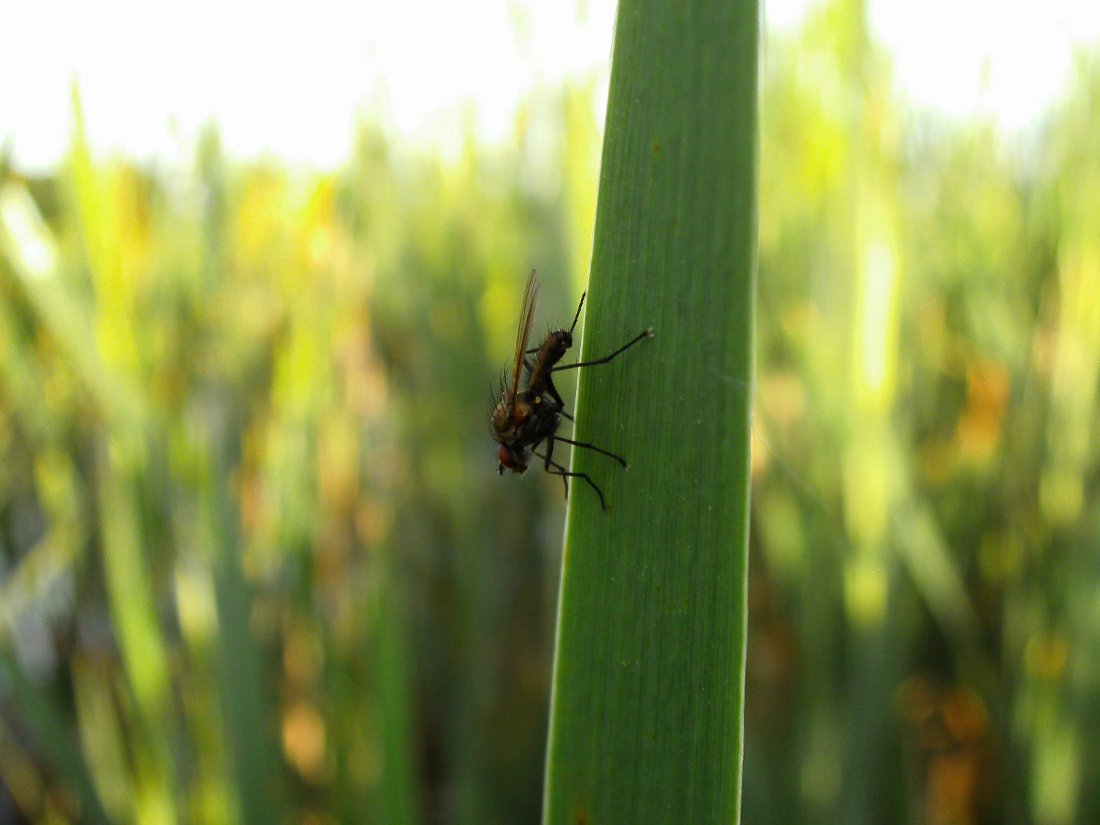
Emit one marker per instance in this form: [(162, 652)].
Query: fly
[(527, 416)]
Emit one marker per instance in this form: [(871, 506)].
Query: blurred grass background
[(256, 564)]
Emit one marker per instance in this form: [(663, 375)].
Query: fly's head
[(510, 420), (511, 457)]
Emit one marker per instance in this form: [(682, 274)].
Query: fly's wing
[(526, 319)]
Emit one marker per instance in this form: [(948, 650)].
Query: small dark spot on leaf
[(580, 815), (657, 149)]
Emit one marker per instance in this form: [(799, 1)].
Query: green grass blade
[(246, 694), (41, 716), (397, 798), (646, 718)]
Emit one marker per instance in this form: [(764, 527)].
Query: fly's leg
[(552, 391), (593, 447), (548, 459), (556, 469), (646, 333)]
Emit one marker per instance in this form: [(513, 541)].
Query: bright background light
[(289, 81)]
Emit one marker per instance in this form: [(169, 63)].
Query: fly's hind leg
[(556, 469), (548, 462)]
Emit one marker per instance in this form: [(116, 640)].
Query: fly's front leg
[(645, 333)]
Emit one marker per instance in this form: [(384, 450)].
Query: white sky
[(290, 79)]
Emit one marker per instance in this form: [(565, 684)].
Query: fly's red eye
[(504, 456)]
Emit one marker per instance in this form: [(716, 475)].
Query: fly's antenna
[(578, 315)]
